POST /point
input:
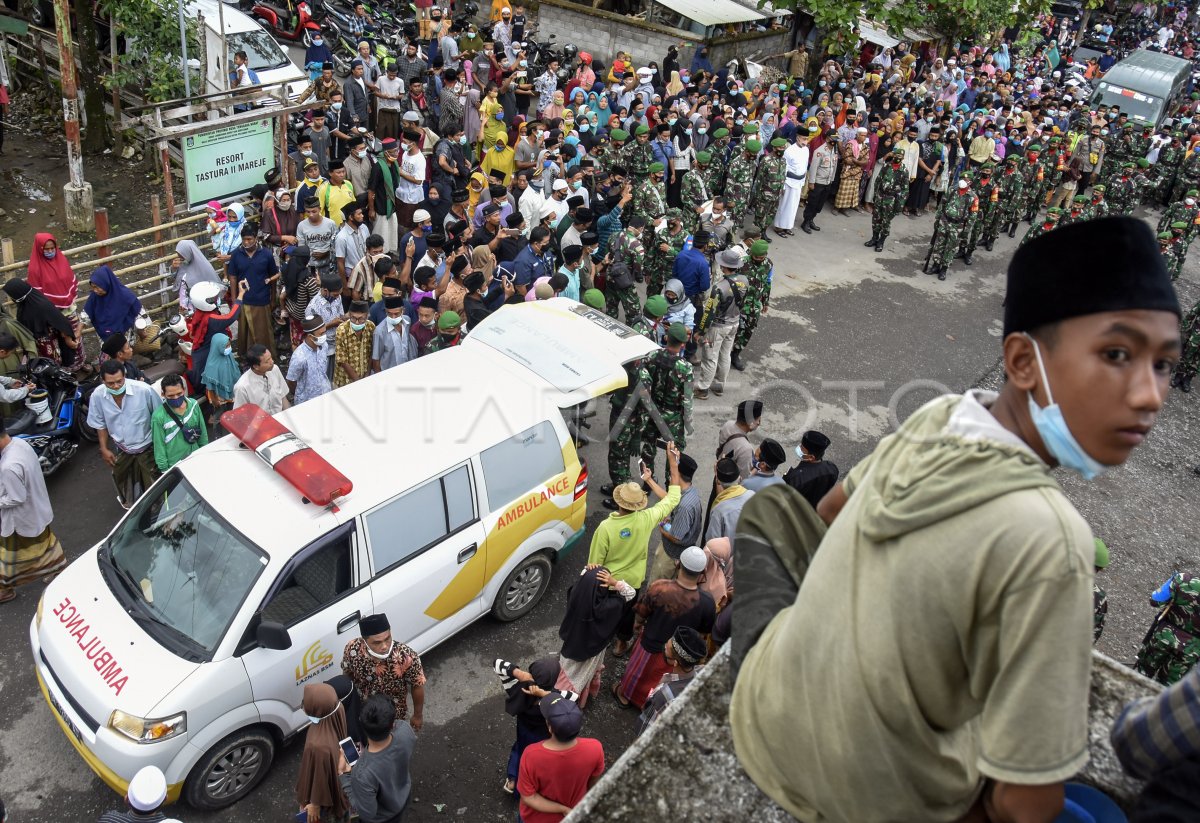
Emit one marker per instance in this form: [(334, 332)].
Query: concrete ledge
[(684, 766)]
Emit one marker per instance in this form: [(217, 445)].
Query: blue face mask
[(116, 392), (176, 402), (228, 350), (1056, 436)]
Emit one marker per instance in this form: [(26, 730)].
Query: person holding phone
[(318, 790), (378, 785)]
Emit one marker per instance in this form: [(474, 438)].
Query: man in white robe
[(796, 159)]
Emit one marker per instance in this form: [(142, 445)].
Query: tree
[(95, 136), (150, 61)]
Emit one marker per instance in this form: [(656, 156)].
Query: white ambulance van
[(184, 639)]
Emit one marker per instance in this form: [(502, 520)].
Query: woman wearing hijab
[(674, 85), (595, 604), (556, 107), (191, 267), (523, 692), (231, 239), (300, 286), (111, 306), (57, 338), (202, 327), (499, 157), (280, 221), (476, 186), (220, 373), (318, 790), (351, 702), (50, 273), (316, 56), (471, 122), (491, 115)]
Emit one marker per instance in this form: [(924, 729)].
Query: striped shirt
[(1155, 733)]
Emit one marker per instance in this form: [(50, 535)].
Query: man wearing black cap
[(350, 245), (957, 572), (117, 348), (257, 267), (570, 269), (377, 664), (308, 368), (511, 238), (488, 233), (581, 220), (392, 344), (381, 195), (684, 526), (768, 457), (813, 476)]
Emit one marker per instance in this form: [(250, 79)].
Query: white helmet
[(205, 293)]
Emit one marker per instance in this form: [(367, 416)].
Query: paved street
[(853, 342)]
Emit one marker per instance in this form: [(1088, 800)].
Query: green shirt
[(621, 542), (169, 445)]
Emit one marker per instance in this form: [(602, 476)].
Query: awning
[(876, 35), (713, 12)]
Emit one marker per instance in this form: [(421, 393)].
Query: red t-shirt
[(561, 776)]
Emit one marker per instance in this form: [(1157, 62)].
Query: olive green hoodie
[(942, 633)]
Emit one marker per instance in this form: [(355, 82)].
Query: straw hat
[(630, 497)]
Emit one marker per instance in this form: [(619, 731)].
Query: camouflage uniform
[(1098, 207), (1172, 646), (626, 248), (1034, 176), (694, 193), (717, 169), (627, 424), (955, 218), (1043, 226), (1180, 211), (1120, 192), (1078, 212), (1173, 259), (659, 263), (1099, 611), (649, 199), (737, 185), (612, 155), (1012, 196), (1167, 169), (755, 299), (671, 379), (988, 219), (772, 171), (1189, 358), (891, 189), (1143, 182), (637, 158), (1188, 177)]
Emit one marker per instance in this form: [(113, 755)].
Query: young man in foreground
[(957, 573)]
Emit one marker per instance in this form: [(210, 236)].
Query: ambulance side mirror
[(273, 636)]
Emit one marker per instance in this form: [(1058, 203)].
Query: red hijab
[(54, 277)]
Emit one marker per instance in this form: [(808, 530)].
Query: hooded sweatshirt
[(941, 635)]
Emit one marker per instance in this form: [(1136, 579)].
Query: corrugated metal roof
[(713, 12), (876, 34)]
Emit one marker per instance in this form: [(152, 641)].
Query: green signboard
[(227, 161)]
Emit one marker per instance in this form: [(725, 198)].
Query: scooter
[(50, 419), (296, 27)]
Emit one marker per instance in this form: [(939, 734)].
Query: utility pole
[(77, 193)]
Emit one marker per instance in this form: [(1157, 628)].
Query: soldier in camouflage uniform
[(1121, 189), (891, 189), (638, 156), (650, 195), (1034, 176), (613, 153), (694, 192), (628, 416), (1099, 596), (955, 217), (1172, 646), (1182, 238), (772, 171), (1170, 253), (1048, 223), (1078, 212), (1186, 210), (740, 179), (758, 271), (1099, 206), (1189, 174), (717, 169), (1012, 195), (1170, 157), (1189, 357), (662, 251), (987, 189), (671, 392), (628, 256)]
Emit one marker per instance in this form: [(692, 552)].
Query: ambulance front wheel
[(230, 770), (523, 588)]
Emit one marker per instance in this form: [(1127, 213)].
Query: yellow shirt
[(333, 198)]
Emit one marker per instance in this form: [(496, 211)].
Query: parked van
[(268, 59), (1145, 85), (184, 639)]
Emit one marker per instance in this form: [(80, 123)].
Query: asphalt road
[(853, 343)]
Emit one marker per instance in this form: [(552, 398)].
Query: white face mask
[(376, 654)]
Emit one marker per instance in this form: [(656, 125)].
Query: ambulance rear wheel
[(230, 770), (523, 588)]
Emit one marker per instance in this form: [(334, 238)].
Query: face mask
[(987, 134), (427, 229), (49, 255), (584, 127), (116, 392), (371, 651), (361, 153), (1056, 436), (740, 120), (317, 41), (702, 131), (429, 325), (176, 402), (499, 115), (575, 184), (322, 343), (358, 326), (306, 152), (1104, 132), (228, 350), (672, 121), (524, 64), (841, 85), (335, 106)]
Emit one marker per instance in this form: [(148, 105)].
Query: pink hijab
[(718, 575)]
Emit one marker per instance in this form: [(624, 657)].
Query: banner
[(227, 161)]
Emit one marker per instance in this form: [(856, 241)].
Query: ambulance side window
[(513, 467), (403, 527), (313, 583)]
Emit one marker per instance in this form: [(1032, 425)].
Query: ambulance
[(184, 639)]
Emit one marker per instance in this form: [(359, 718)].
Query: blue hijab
[(114, 312), (220, 370), (231, 239)]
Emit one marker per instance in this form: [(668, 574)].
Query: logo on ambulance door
[(315, 661)]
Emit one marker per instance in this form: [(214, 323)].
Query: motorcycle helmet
[(584, 57), (204, 295), (570, 51), (178, 324), (563, 75)]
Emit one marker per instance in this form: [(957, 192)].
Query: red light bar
[(292, 459)]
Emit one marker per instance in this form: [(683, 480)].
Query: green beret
[(1179, 225), (673, 214), (1164, 235), (898, 150), (1081, 198), (1053, 211), (1143, 163), (618, 135), (1127, 126), (719, 133), (750, 128), (1101, 553), (1056, 139), (988, 166), (678, 332), (1128, 164), (657, 168), (1177, 134), (656, 305), (594, 298), (703, 157), (759, 247), (449, 320), (1192, 193), (779, 143), (753, 146), (1100, 189), (640, 130), (1196, 95)]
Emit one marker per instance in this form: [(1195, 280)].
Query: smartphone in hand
[(349, 750)]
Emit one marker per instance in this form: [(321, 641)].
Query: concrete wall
[(685, 766)]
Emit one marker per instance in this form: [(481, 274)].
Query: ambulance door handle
[(467, 553), (349, 621)]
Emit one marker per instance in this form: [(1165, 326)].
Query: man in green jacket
[(177, 426)]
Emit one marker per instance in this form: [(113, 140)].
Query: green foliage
[(150, 61)]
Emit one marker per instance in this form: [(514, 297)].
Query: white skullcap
[(148, 789)]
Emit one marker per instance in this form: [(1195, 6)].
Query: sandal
[(624, 704), (8, 595), (509, 786), (620, 654)]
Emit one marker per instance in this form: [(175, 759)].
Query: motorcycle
[(283, 23), (50, 419)]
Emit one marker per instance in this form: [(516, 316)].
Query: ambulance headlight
[(147, 729)]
